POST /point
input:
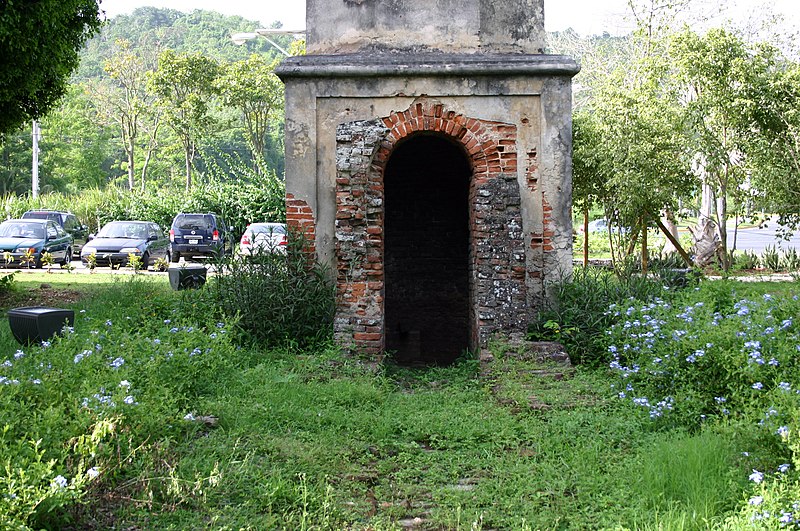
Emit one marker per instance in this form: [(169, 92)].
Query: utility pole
[(35, 168)]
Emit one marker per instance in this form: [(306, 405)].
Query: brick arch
[(475, 136), (497, 256)]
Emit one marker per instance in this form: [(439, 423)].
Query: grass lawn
[(196, 429)]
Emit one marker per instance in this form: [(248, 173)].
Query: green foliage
[(256, 198), (745, 260), (581, 308), (158, 402), (278, 298), (252, 87), (7, 282), (771, 258), (184, 86), (29, 85), (47, 260)]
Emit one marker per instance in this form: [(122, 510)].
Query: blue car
[(118, 240), (24, 241)]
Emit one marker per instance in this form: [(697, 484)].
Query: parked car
[(24, 241), (118, 239), (263, 238), (199, 234), (68, 221), (602, 225)]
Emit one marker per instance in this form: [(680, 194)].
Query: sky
[(587, 17)]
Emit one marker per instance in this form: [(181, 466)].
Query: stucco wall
[(461, 26)]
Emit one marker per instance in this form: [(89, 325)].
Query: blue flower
[(93, 472), (785, 386), (758, 386), (756, 476), (117, 363), (756, 500), (720, 399), (783, 431), (773, 362), (784, 468), (18, 354), (60, 481), (108, 322)]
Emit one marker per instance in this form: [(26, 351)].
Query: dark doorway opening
[(426, 253)]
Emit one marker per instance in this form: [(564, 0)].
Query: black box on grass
[(34, 324), (187, 276)]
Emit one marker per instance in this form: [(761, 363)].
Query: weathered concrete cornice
[(425, 64)]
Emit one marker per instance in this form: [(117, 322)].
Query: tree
[(184, 85), (39, 43), (252, 87), (129, 105), (722, 76), (77, 152), (775, 152), (629, 148)]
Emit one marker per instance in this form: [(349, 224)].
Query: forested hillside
[(86, 142)]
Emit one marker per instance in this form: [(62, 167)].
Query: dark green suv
[(68, 221)]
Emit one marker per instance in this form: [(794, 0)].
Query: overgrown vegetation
[(278, 295), (159, 416)]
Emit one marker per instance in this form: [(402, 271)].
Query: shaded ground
[(42, 295)]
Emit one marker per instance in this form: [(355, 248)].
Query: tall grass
[(688, 480)]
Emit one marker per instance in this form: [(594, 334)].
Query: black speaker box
[(34, 324)]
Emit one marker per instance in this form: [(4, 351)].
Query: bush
[(278, 298), (579, 318)]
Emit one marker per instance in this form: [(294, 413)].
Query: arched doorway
[(426, 253)]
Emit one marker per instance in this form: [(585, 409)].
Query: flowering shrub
[(711, 356)]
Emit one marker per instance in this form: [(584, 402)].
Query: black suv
[(68, 221), (204, 234)]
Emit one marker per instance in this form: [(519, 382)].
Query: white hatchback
[(263, 238)]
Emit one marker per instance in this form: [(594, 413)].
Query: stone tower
[(428, 158)]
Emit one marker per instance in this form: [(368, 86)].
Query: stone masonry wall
[(497, 248)]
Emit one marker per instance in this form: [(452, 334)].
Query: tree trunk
[(675, 242), (144, 167), (131, 176), (722, 224), (586, 236), (188, 153), (706, 240), (668, 221), (645, 258)]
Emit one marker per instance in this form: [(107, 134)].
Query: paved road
[(758, 239)]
